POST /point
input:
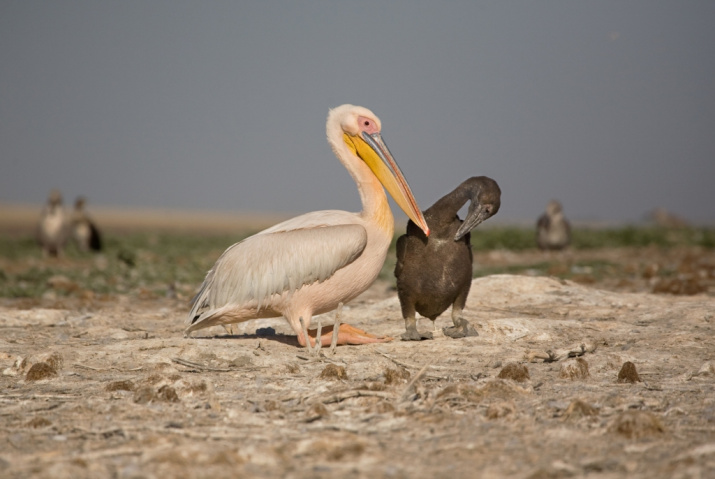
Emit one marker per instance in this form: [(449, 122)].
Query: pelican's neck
[(375, 207)]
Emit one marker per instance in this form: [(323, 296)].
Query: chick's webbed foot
[(461, 329), (411, 334)]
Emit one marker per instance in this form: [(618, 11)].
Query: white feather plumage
[(303, 250)]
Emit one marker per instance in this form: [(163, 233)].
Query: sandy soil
[(115, 390)]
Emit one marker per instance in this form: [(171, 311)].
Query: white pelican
[(310, 264), (52, 231), (84, 231)]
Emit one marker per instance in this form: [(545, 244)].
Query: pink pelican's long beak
[(388, 172)]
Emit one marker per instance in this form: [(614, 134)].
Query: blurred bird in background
[(52, 232), (553, 230), (84, 231)]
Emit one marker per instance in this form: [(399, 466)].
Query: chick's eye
[(367, 123)]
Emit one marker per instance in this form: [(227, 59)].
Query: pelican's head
[(359, 129), (54, 198), (553, 208), (79, 203)]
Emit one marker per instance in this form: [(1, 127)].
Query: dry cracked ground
[(564, 380)]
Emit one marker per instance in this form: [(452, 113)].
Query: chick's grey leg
[(411, 333), (461, 328)]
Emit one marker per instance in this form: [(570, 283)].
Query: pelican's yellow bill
[(378, 158)]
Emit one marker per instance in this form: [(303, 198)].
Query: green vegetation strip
[(157, 264)]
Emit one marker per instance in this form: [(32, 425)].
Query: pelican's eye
[(368, 125)]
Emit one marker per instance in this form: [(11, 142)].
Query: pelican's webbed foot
[(461, 329), (346, 335), (351, 335)]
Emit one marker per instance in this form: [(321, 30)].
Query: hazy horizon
[(221, 106)]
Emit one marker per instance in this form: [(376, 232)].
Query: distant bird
[(52, 232), (435, 272), (310, 264), (84, 231), (553, 230), (666, 219)]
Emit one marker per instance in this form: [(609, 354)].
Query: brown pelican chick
[(52, 231), (84, 231), (553, 230), (435, 272), (311, 264)]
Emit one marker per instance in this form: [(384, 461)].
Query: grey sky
[(607, 106)]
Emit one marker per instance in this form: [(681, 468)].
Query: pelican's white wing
[(283, 258)]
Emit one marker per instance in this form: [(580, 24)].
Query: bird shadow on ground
[(261, 333)]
